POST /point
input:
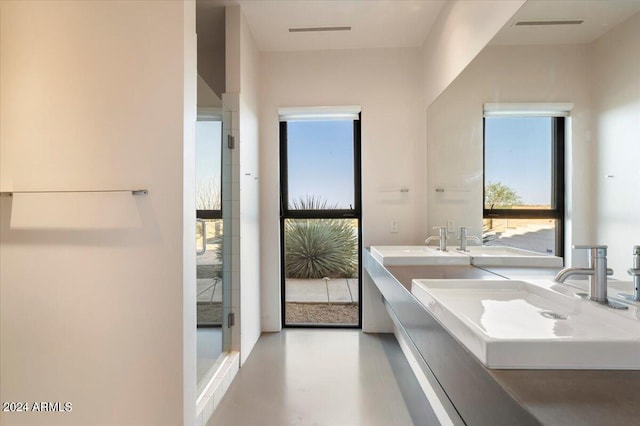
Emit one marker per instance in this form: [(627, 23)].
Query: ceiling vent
[(316, 29), (550, 22)]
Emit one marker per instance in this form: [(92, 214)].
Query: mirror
[(572, 52)]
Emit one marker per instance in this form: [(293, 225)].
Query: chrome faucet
[(635, 273), (464, 237), (597, 273), (442, 237)]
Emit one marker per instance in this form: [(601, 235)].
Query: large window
[(320, 219), (524, 182)]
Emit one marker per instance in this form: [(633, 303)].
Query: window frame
[(558, 178), (355, 212), (287, 213)]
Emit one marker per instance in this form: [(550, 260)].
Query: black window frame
[(354, 213), (557, 210)]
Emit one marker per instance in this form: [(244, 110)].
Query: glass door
[(209, 244), (320, 221)]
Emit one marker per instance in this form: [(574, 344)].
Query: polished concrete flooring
[(323, 377)]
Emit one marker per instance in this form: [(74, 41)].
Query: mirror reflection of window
[(524, 182)]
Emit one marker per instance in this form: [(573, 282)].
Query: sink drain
[(553, 315)]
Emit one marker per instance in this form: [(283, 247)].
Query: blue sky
[(518, 154), (321, 160), (208, 152)]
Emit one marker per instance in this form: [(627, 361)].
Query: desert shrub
[(318, 248), (311, 202)]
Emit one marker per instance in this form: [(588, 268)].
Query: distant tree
[(498, 195), (208, 195)]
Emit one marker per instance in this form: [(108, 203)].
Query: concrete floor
[(323, 377)]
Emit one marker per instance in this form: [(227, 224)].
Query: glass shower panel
[(209, 244)]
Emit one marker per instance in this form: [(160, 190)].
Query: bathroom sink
[(538, 324), (510, 256), (417, 255)]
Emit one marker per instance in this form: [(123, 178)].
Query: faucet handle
[(442, 231), (596, 250), (636, 250), (589, 246)]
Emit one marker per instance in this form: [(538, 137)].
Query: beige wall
[(392, 86), (103, 319), (386, 84)]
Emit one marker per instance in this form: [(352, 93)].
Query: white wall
[(455, 130), (386, 83), (99, 95), (462, 30), (616, 83), (242, 97)]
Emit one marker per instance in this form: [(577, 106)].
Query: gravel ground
[(210, 313), (322, 313)]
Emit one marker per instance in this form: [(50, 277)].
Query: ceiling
[(399, 23), (374, 23), (599, 16)]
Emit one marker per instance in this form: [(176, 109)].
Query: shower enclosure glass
[(210, 244)]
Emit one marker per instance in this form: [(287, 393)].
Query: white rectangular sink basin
[(532, 325), (510, 256), (417, 255)]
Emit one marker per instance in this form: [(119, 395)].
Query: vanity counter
[(405, 274), (485, 396)]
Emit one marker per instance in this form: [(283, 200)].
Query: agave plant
[(317, 248), (311, 202)]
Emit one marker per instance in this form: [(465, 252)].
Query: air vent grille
[(550, 22), (316, 29)]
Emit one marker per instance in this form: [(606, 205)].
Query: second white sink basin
[(532, 325), (417, 255), (510, 256)]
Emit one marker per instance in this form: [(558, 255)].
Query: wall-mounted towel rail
[(395, 190), (132, 191), (452, 190)]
